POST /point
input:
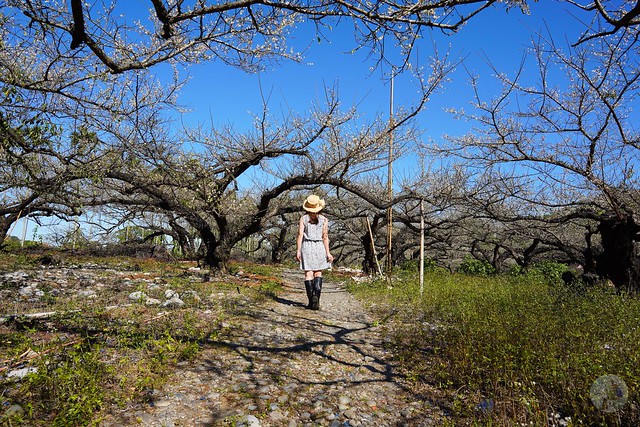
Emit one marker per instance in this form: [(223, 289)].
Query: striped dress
[(314, 256)]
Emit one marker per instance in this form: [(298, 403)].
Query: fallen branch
[(29, 355), (49, 314)]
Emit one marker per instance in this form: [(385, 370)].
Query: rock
[(26, 290), (137, 296), (406, 412), (163, 403), (191, 295), (277, 416), (318, 415), (344, 400), (152, 301), (87, 293), (350, 414), (19, 374), (253, 421), (16, 276), (14, 410), (172, 303), (170, 294)]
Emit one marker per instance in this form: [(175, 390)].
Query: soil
[(285, 365)]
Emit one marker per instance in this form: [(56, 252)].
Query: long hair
[(314, 219)]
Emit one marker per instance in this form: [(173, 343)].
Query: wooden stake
[(390, 185), (373, 245), (421, 246)]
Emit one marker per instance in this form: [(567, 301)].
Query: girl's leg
[(309, 287), (317, 288)]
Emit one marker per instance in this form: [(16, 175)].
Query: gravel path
[(284, 365)]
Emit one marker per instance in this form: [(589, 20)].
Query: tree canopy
[(549, 172)]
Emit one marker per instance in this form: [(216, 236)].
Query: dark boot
[(308, 285), (317, 289)]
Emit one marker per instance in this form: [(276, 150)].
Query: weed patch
[(505, 350)]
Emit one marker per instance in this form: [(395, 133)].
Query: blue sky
[(225, 95)]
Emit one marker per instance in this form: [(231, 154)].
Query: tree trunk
[(369, 262), (279, 246), (184, 239), (5, 225), (589, 255), (618, 261), (217, 258), (217, 252)]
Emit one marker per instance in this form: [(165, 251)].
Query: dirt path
[(284, 365)]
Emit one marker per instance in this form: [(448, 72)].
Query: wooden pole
[(24, 231), (390, 185), (373, 246), (14, 223), (421, 246)]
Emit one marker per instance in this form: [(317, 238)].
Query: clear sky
[(225, 95)]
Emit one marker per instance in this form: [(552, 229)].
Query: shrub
[(476, 267), (549, 272)]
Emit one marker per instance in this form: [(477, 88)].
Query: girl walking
[(313, 248)]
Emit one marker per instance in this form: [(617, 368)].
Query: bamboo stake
[(390, 185), (421, 246), (24, 231), (373, 245), (14, 223)]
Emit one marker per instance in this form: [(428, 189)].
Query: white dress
[(313, 254)]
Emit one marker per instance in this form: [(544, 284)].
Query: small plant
[(476, 267), (71, 382), (549, 272)]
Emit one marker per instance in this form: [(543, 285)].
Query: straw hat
[(313, 203)]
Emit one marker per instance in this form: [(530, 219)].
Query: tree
[(609, 17), (565, 147), (244, 34), (75, 64), (36, 173), (229, 189)]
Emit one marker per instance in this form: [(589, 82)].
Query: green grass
[(531, 348)]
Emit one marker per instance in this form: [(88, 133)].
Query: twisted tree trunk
[(618, 261)]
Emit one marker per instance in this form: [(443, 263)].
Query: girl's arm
[(299, 240), (325, 239)]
